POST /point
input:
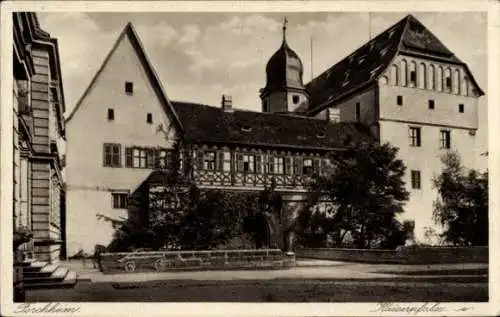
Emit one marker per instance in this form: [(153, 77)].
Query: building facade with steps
[(38, 137)]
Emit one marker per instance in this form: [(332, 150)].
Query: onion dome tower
[(284, 90)]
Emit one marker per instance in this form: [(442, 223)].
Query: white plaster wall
[(426, 159), (89, 183)]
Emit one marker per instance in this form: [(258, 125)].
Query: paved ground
[(306, 269), (310, 281)]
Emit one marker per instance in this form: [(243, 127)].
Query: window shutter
[(300, 162), (295, 166), (316, 164), (288, 165), (239, 162), (128, 157), (270, 164), (220, 160), (199, 155), (104, 148), (258, 164), (150, 158)]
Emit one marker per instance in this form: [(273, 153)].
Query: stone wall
[(130, 262), (410, 255)]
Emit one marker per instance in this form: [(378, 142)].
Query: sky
[(200, 56)]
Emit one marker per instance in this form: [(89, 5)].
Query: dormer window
[(129, 88), (320, 135), (246, 128), (295, 99)]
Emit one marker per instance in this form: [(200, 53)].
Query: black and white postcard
[(298, 158)]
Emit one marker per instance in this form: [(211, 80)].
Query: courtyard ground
[(310, 281)]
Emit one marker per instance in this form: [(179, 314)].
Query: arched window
[(421, 76), (430, 77), (404, 69), (447, 80), (439, 78), (413, 74), (456, 82), (394, 77), (465, 86)]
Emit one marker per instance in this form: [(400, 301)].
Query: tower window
[(265, 106), (431, 104), (295, 99), (413, 77), (149, 118), (111, 114), (415, 136), (444, 139), (461, 108), (448, 83), (358, 111), (400, 100), (415, 180), (129, 87)]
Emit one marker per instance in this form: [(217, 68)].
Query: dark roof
[(363, 67), (207, 124), (279, 66)]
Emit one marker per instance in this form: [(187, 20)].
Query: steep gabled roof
[(363, 67), (207, 124), (130, 32)]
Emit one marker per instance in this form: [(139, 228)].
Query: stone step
[(35, 266), (45, 271), (57, 276), (69, 281)]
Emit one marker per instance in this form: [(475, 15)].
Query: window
[(461, 108), (129, 88), (149, 118), (119, 200), (431, 104), (444, 139), (358, 111), (295, 99), (413, 77), (414, 136), (277, 165), (226, 162), (112, 155), (307, 167), (400, 100), (209, 160), (139, 157), (265, 107), (111, 114), (147, 158), (248, 163), (415, 180), (448, 82)]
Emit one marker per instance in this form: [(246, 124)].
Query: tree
[(365, 185), (462, 205)]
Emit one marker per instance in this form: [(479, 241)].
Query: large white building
[(415, 94), (404, 87)]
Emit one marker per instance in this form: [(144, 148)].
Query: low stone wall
[(130, 262), (408, 255)]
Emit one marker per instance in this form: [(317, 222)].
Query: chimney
[(227, 103)]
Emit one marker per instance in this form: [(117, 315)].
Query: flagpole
[(312, 72)]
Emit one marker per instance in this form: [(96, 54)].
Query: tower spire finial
[(285, 23)]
